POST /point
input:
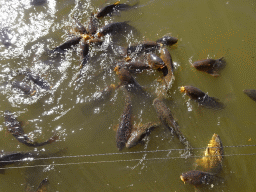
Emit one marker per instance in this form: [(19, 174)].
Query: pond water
[(85, 157)]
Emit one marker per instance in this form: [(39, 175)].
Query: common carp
[(167, 40), (68, 44), (7, 158), (84, 54), (251, 93), (115, 28), (196, 177), (167, 59), (201, 97), (92, 26), (79, 27), (139, 133), (210, 66), (156, 62), (127, 79), (23, 87), (110, 9), (143, 47), (125, 127), (213, 157), (166, 118), (14, 127), (134, 66), (38, 80)]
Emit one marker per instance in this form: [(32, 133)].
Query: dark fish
[(198, 177), (7, 158), (138, 134), (79, 27), (43, 186), (135, 66), (37, 2), (110, 9), (84, 54), (167, 59), (38, 80), (6, 41), (96, 41), (23, 87), (201, 97), (17, 131), (115, 28), (210, 66), (127, 79), (251, 93), (125, 127), (166, 118), (67, 45), (92, 26), (143, 47), (155, 62), (167, 40), (213, 157)]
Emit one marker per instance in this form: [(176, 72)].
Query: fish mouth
[(182, 179), (86, 37), (182, 89)]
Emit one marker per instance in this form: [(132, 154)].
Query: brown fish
[(17, 131), (23, 87), (167, 59), (201, 97), (210, 66), (167, 40), (43, 186), (38, 80), (84, 54), (115, 28), (125, 127), (92, 26), (79, 28), (198, 177), (166, 118), (143, 47), (251, 93), (213, 157), (138, 134), (67, 45)]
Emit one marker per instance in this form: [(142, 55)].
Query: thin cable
[(122, 153), (115, 161)]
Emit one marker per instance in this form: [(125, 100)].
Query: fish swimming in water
[(110, 9), (67, 45), (166, 118), (210, 66), (201, 97), (143, 47), (92, 26), (196, 177), (38, 80), (167, 40), (167, 59), (138, 134), (251, 93), (213, 157), (14, 127), (115, 28), (28, 90), (84, 54), (125, 127)]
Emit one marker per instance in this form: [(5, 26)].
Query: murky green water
[(204, 28)]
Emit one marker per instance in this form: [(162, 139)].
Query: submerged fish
[(43, 186), (125, 127), (213, 157), (167, 40), (23, 87), (37, 2), (167, 59), (68, 44), (38, 80), (138, 134), (92, 26), (110, 9), (143, 47), (201, 97), (84, 54), (198, 177), (115, 28), (210, 66), (166, 118), (251, 93), (7, 158), (14, 127)]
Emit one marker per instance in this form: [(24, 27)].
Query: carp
[(210, 66)]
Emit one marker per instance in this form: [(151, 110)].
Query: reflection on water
[(85, 157)]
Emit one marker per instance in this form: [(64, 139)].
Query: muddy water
[(205, 29)]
